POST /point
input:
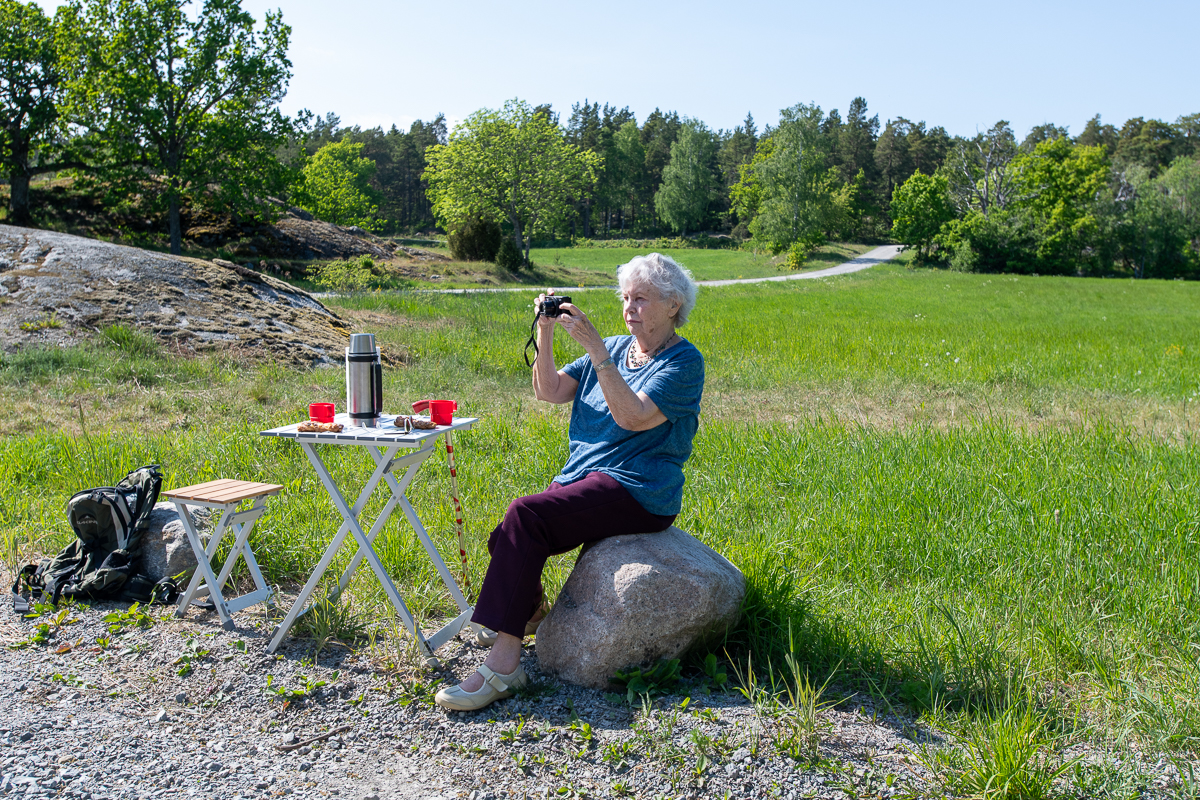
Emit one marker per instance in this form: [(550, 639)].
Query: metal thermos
[(364, 380)]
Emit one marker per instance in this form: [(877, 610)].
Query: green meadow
[(952, 492)]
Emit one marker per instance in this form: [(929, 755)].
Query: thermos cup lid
[(362, 343)]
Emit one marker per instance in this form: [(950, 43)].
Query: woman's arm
[(549, 384), (633, 411)]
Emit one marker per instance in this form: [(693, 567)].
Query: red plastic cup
[(320, 412), (441, 412)]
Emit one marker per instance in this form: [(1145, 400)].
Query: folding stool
[(224, 495)]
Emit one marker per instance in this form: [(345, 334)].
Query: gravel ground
[(90, 713)]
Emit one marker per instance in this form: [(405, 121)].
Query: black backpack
[(109, 523)]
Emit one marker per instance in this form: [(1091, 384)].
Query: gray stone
[(165, 548), (632, 600)]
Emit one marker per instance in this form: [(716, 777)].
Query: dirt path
[(865, 261)]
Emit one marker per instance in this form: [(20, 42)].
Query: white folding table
[(384, 444)]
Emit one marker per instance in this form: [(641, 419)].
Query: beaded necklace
[(637, 358)]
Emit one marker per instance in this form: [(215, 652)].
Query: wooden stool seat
[(224, 495), (223, 491)]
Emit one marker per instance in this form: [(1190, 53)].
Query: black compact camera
[(551, 306)]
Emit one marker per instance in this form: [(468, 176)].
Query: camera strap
[(532, 341)]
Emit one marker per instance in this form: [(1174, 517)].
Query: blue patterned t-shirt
[(647, 463)]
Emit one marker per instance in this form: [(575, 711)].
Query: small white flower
[(956, 361)]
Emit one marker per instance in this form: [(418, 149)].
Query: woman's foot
[(499, 676)]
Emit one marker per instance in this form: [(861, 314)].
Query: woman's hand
[(544, 323), (581, 329), (549, 383)]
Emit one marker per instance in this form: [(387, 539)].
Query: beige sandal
[(495, 687)]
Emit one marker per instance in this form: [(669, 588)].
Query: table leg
[(298, 607), (398, 493), (365, 547), (386, 456)]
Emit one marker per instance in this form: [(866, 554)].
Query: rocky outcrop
[(632, 600), (56, 288), (296, 235)]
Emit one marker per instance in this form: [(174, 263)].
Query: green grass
[(947, 534)]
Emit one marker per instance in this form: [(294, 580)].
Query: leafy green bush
[(797, 255), (801, 249), (649, 682), (475, 240), (351, 276), (509, 257)]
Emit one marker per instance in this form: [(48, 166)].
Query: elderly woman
[(637, 403)]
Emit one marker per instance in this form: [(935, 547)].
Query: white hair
[(669, 279)]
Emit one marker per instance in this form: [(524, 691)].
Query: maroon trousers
[(546, 524)]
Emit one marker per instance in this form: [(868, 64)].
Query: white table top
[(384, 434)]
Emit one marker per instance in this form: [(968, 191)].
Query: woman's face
[(647, 314)]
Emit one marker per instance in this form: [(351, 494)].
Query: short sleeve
[(677, 386), (575, 368)]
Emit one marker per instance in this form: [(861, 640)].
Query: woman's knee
[(521, 523)]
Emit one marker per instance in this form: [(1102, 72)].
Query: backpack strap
[(21, 603), (121, 514)]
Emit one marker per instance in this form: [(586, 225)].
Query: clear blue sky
[(962, 65)]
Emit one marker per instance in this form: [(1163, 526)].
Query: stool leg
[(255, 571), (204, 567), (241, 530), (241, 547), (194, 540)]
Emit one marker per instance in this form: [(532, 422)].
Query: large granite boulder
[(165, 548), (632, 600)]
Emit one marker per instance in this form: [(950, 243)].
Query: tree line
[(147, 103), (1104, 201)]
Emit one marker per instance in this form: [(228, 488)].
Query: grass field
[(955, 490)]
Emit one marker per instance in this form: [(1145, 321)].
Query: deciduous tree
[(797, 195), (190, 98), (920, 207), (509, 165), (337, 188), (30, 83), (978, 170), (1057, 186), (689, 183)]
